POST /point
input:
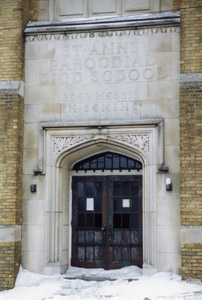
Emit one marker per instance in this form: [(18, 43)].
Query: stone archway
[(69, 146)]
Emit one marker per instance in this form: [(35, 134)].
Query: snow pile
[(131, 272), (93, 284)]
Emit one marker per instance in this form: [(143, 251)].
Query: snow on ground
[(93, 284)]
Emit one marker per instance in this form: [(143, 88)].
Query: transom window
[(108, 161)]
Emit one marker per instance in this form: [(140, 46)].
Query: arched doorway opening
[(69, 147), (107, 211)]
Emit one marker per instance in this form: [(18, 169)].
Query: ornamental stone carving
[(65, 143), (141, 141)]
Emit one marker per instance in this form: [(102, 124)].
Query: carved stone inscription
[(102, 77)]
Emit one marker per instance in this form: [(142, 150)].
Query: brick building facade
[(14, 18)]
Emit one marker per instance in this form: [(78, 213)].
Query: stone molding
[(73, 36), (191, 79), (97, 24), (12, 87)]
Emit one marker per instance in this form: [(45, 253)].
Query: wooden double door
[(106, 221)]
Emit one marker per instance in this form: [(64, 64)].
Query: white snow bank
[(161, 286)]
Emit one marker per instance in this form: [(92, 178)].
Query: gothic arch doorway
[(107, 212)]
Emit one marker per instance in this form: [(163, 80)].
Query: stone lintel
[(10, 233), (191, 234), (113, 23), (12, 87), (138, 123), (191, 79)]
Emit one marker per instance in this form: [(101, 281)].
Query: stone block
[(33, 238), (104, 6), (171, 132), (42, 113), (170, 262), (33, 260), (130, 5), (169, 239), (33, 212), (31, 136)]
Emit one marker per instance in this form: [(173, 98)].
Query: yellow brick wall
[(176, 4), (11, 131), (191, 27), (191, 261), (191, 155), (14, 17), (190, 133), (9, 263)]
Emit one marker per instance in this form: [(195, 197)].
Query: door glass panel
[(117, 254), (98, 220), (98, 253), (93, 164), (126, 254), (81, 220), (89, 253), (81, 253), (135, 204), (125, 221), (81, 204), (89, 220), (89, 236), (108, 161), (125, 188), (117, 204), (98, 204), (131, 164), (80, 189), (134, 188), (134, 220), (117, 236), (98, 237), (123, 162), (134, 237), (86, 166), (134, 253), (115, 161), (81, 236), (117, 220), (89, 189), (101, 162), (98, 189), (117, 188)]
